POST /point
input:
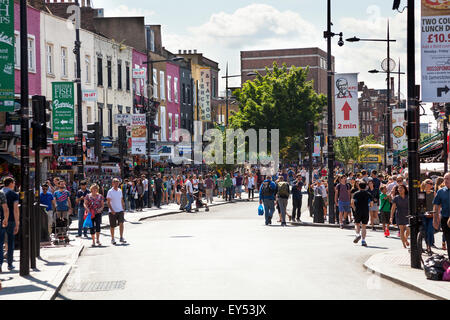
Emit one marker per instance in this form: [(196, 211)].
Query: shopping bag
[(261, 210), (87, 221)]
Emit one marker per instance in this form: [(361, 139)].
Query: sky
[(220, 30)]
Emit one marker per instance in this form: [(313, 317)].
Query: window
[(100, 117), (89, 114), (155, 135), (110, 120), (17, 50), (163, 124), (128, 77), (155, 83), (176, 122), (128, 110), (213, 87), (31, 54), (119, 75), (49, 54), (162, 89), (87, 61), (152, 40), (169, 88), (183, 93), (137, 83), (120, 108), (170, 127), (109, 74), (99, 71), (64, 63), (175, 89)]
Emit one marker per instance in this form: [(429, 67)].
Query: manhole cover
[(98, 286)]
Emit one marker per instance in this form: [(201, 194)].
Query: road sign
[(435, 51), (346, 101)]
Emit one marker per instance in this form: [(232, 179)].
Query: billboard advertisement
[(346, 101)]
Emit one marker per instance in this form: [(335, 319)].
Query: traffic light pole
[(24, 146), (77, 52)]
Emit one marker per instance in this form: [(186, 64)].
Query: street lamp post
[(387, 136), (328, 35), (77, 51), (250, 74)]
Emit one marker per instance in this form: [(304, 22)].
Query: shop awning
[(10, 159)]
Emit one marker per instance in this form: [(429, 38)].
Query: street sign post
[(7, 56)]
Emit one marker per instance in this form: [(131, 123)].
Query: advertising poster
[(7, 56), (139, 134), (204, 94), (316, 152), (346, 101), (435, 51), (399, 130), (63, 106), (89, 95)]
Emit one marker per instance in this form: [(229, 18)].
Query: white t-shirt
[(303, 173), (145, 183), (189, 188), (116, 199), (251, 182)]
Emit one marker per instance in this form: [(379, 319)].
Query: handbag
[(261, 210), (87, 221)]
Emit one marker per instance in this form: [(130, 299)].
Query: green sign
[(7, 55), (63, 114)]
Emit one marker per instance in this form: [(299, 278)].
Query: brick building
[(314, 58)]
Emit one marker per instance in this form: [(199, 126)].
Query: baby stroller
[(199, 203), (61, 229)]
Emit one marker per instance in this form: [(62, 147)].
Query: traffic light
[(94, 138), (39, 123)]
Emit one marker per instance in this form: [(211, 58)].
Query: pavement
[(56, 262)]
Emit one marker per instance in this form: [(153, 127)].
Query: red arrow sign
[(346, 110)]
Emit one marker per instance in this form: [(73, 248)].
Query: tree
[(282, 99), (347, 149)]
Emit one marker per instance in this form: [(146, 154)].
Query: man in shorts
[(116, 210), (360, 203), (342, 199)]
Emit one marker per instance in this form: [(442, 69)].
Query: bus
[(371, 156)]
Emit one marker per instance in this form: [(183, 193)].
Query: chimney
[(190, 51), (179, 51), (88, 3), (184, 51), (195, 51)]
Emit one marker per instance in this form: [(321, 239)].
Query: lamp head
[(396, 5), (374, 71), (354, 39), (341, 41)]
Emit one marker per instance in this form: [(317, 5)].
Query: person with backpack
[(282, 198), (342, 199), (297, 199), (267, 194), (361, 202), (385, 210)]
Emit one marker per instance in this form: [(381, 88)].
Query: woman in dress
[(400, 208), (140, 195), (94, 204)]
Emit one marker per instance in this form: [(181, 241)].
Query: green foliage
[(282, 99)]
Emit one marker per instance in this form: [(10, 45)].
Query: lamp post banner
[(139, 134), (7, 56), (63, 112), (346, 101), (204, 94), (399, 129), (435, 51)]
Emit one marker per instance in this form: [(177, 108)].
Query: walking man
[(145, 183), (283, 198), (442, 201), (10, 225), (297, 199), (189, 194), (116, 210), (267, 194), (342, 199), (81, 195), (158, 191), (47, 198), (361, 202)]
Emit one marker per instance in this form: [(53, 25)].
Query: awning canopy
[(10, 159)]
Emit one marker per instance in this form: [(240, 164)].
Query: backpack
[(266, 191), (283, 191), (339, 188), (434, 267)]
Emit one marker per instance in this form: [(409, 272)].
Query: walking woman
[(178, 186), (251, 186), (228, 184), (165, 199), (140, 195), (427, 187), (133, 195), (374, 193), (201, 187), (94, 204), (400, 207)]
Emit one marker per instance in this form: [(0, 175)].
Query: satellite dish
[(384, 65)]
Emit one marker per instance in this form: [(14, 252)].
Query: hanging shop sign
[(139, 134), (89, 95), (435, 51), (399, 130), (7, 55), (139, 73), (204, 94), (63, 109), (346, 98)]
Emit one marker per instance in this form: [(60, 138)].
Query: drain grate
[(98, 286)]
